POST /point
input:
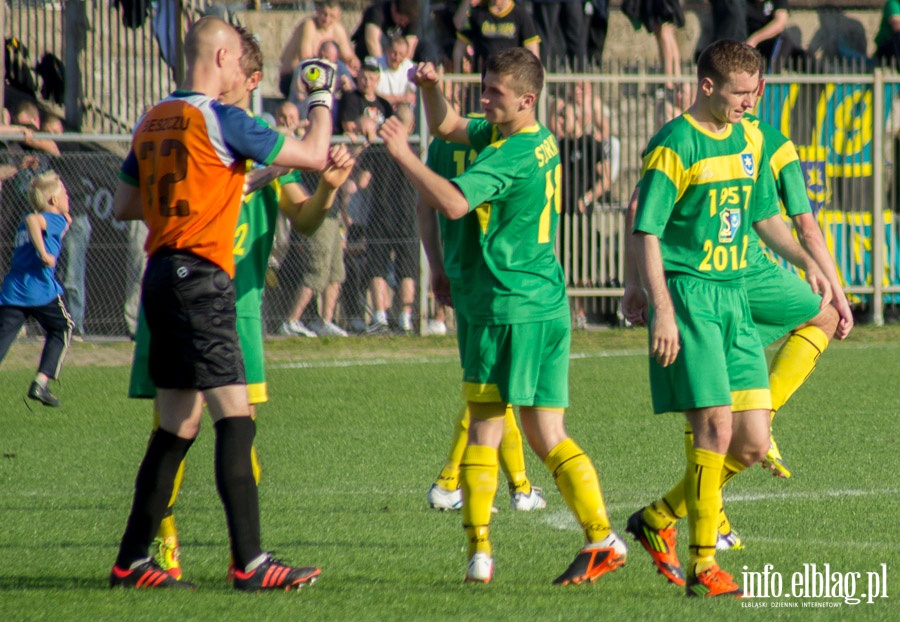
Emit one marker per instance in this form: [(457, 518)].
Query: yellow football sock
[(478, 478), (794, 362), (512, 454), (167, 528), (664, 512), (703, 496), (732, 467), (254, 464), (449, 477), (577, 481)]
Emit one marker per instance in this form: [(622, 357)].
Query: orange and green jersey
[(188, 158), (701, 192)]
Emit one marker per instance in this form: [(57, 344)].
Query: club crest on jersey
[(729, 225), (747, 162)]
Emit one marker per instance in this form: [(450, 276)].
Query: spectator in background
[(322, 255), (27, 114), (887, 39), (394, 84), (729, 20), (364, 103), (660, 17), (30, 288), (383, 20), (561, 26), (447, 18), (586, 177), (288, 120), (766, 21), (75, 244), (392, 253), (356, 219), (597, 12), (323, 25), (136, 262), (492, 27)]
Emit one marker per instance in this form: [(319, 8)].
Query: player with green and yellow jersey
[(706, 180), (443, 240), (517, 341)]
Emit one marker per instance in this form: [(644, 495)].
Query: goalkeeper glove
[(317, 75)]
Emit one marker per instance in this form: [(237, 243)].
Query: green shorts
[(721, 359), (780, 301), (520, 364), (250, 332), (140, 385)]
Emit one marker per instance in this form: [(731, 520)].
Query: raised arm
[(306, 212), (443, 121), (436, 191)]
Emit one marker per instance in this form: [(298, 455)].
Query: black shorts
[(406, 255), (189, 305)]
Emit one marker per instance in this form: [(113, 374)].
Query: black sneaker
[(273, 575), (146, 575), (42, 394)]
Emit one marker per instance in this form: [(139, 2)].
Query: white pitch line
[(563, 519), (425, 360), (428, 360)]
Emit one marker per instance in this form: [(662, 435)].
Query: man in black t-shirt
[(363, 104), (766, 21), (493, 27)]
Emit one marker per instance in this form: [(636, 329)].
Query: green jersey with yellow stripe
[(790, 183), (450, 160), (253, 238), (700, 193), (513, 186)]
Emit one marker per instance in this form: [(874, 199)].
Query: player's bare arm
[(430, 234), (777, 237), (665, 341), (438, 192), (306, 212), (311, 153), (443, 121), (127, 202), (811, 239), (634, 301)]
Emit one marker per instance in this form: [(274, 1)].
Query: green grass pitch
[(354, 434)]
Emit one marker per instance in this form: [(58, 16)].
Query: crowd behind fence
[(845, 127)]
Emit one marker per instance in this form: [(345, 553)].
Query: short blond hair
[(43, 188)]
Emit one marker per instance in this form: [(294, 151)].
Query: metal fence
[(846, 128)]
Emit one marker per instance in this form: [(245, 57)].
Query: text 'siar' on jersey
[(188, 159), (700, 193)]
